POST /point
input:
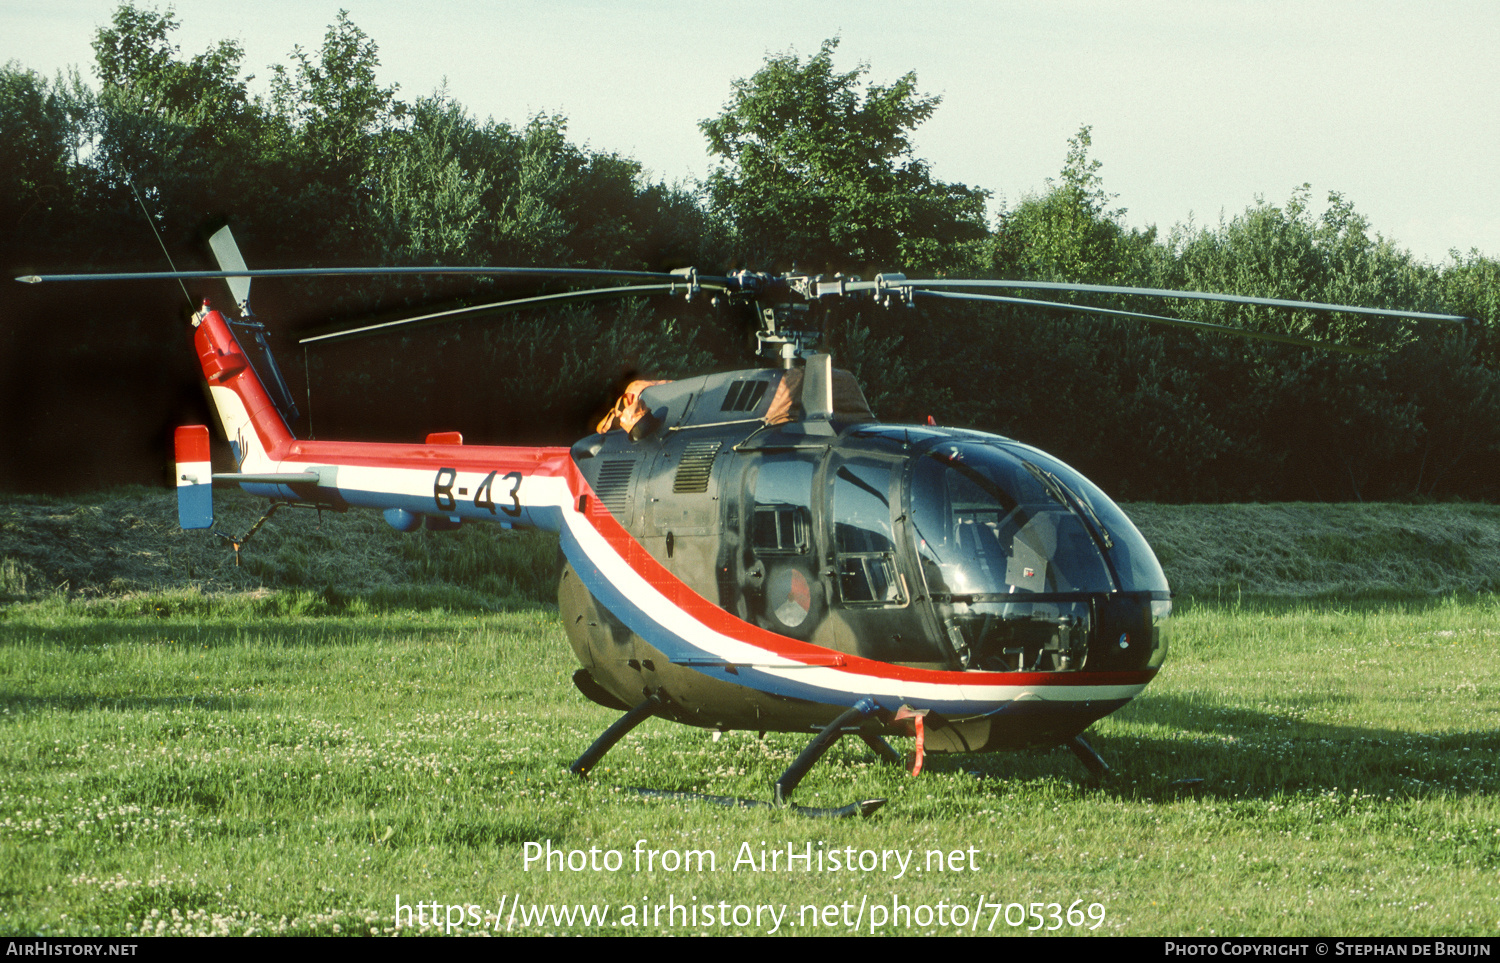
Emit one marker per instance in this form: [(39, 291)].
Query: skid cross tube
[(614, 734), (882, 748), (820, 744)]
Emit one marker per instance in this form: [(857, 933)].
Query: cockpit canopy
[(947, 549), (1005, 519)]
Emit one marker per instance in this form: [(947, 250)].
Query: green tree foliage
[(330, 117), (818, 168), (1070, 233), (334, 104), (135, 56), (1326, 426), (36, 146), (431, 188), (161, 120)]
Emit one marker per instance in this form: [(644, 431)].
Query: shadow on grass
[(1229, 601), (18, 704), (1233, 752), (89, 635)]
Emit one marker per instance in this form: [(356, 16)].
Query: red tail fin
[(256, 431)]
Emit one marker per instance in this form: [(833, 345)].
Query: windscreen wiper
[(1070, 500)]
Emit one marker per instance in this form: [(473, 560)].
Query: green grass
[(294, 763), (123, 544), (1329, 552)]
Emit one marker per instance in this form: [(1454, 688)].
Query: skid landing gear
[(1090, 759), (614, 734), (848, 720)]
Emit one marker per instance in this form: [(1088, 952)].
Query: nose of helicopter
[(1031, 568)]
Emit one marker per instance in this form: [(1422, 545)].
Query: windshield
[(1030, 567), (1006, 519)]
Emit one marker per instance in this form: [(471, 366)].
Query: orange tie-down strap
[(628, 410), (916, 716)]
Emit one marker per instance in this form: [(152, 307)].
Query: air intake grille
[(613, 488), (696, 466), (744, 395)]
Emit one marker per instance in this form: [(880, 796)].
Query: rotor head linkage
[(889, 287), (690, 277)]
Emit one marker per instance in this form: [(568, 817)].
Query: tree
[(818, 169), (429, 203), (36, 140), (1070, 233), (135, 56), (335, 104), (183, 131), (330, 121)]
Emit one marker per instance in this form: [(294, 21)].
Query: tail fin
[(255, 408), (257, 432)]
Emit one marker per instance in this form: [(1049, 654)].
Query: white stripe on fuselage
[(544, 498), (375, 486), (692, 633)]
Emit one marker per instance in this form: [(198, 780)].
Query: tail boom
[(443, 481)]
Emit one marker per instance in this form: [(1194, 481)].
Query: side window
[(780, 530), (864, 544), (782, 522), (782, 590)]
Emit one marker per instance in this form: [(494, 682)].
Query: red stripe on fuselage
[(370, 454), (721, 621)]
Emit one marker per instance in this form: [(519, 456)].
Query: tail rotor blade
[(227, 253)]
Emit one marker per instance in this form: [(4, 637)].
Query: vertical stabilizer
[(256, 430)]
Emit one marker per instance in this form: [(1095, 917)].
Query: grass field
[(299, 760)]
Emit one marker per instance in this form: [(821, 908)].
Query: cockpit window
[(1028, 566), (1126, 547), (992, 520), (986, 525)]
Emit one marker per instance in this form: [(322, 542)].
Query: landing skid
[(863, 808), (784, 786)]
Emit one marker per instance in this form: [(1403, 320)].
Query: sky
[(1197, 107)]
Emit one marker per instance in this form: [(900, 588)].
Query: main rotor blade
[(1156, 318), (1195, 295), (496, 307), (367, 272)]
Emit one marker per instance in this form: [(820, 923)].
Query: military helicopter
[(753, 549)]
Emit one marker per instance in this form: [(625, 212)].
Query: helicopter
[(755, 550)]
